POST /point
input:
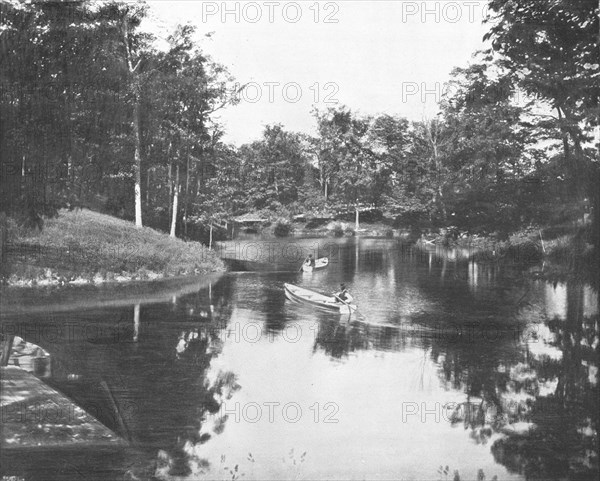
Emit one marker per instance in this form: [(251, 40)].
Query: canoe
[(319, 264), (300, 294)]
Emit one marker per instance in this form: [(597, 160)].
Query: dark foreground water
[(452, 370)]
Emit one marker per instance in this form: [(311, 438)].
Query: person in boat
[(310, 261), (343, 294)]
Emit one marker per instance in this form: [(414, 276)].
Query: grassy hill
[(88, 247)]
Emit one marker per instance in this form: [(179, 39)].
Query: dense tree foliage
[(91, 107), (95, 113), (553, 49)]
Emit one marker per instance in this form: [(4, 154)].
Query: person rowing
[(310, 261), (344, 295)]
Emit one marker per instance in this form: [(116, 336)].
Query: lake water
[(449, 367)]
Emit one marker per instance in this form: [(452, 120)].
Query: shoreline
[(86, 248), (28, 302), (83, 247)]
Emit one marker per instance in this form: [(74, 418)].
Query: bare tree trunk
[(438, 169), (175, 203), (137, 156), (170, 181), (356, 216), (210, 236), (137, 167), (323, 181), (187, 189)]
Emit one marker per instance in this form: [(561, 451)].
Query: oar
[(348, 304), (360, 314)]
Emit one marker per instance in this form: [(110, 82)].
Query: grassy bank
[(88, 247)]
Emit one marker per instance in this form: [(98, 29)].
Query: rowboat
[(300, 294), (320, 263)]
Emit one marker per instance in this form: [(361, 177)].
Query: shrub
[(338, 230), (523, 249), (282, 228)]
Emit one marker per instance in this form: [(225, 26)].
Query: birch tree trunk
[(185, 201), (137, 166), (137, 156), (170, 181), (175, 203)]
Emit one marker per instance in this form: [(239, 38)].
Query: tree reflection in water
[(539, 405), (188, 404), (142, 371), (178, 458), (563, 441)]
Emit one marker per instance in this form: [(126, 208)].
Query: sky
[(374, 57)]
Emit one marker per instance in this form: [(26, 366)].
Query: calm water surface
[(470, 366)]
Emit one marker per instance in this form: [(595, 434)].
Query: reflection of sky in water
[(389, 406), (556, 301)]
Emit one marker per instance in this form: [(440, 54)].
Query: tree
[(553, 48), (70, 63), (129, 20), (185, 90), (347, 158), (400, 170), (486, 150), (91, 106), (222, 194), (281, 163), (273, 169), (130, 49), (41, 47)]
